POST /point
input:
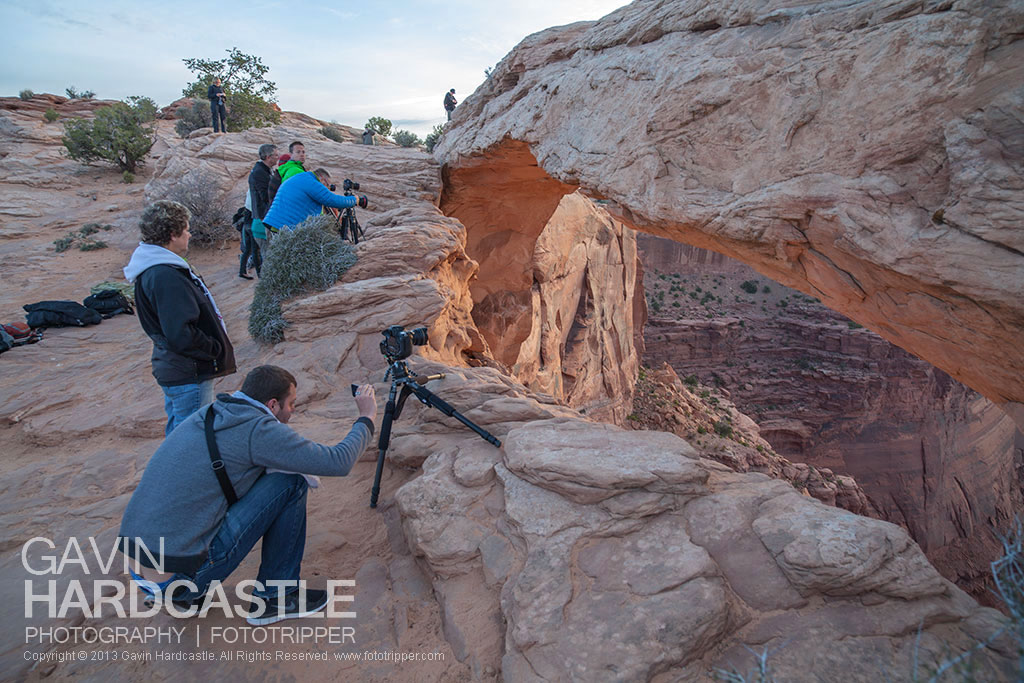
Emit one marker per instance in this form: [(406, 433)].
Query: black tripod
[(412, 384)]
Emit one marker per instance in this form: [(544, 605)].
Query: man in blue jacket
[(305, 195), (177, 311), (191, 522)]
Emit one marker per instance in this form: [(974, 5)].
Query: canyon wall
[(932, 454)]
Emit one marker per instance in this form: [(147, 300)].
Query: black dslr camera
[(348, 185), (398, 342)]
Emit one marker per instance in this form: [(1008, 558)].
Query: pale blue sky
[(343, 61)]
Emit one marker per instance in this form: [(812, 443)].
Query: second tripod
[(348, 225)]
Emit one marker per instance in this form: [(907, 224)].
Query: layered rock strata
[(932, 455)]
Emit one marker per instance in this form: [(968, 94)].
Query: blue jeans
[(181, 401), (274, 509), (219, 114)]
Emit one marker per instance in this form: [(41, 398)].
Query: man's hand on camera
[(363, 202), (366, 401)]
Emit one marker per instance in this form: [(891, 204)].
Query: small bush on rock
[(435, 135), (82, 238), (51, 115), (73, 94), (310, 258), (194, 118), (127, 177), (201, 195), (333, 133), (407, 138), (26, 94)]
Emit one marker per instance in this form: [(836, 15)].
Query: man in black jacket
[(177, 311), (218, 111), (259, 182)]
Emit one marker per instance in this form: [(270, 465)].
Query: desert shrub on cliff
[(26, 94), (379, 124), (51, 115), (434, 136), (82, 238), (73, 94), (116, 135), (193, 118), (310, 258), (332, 133), (406, 138), (200, 193), (250, 96)]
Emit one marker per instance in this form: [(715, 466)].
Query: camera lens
[(333, 187), (419, 336)]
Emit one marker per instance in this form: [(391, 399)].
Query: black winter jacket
[(189, 343), (272, 187), (259, 182)]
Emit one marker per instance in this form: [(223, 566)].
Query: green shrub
[(407, 138), (51, 115), (194, 118), (249, 95), (691, 381), (26, 94), (853, 326), (434, 136), (310, 258), (766, 290), (145, 106), (115, 135), (82, 238), (749, 286), (73, 94), (723, 429), (379, 124), (200, 193), (333, 133), (127, 177), (246, 110)]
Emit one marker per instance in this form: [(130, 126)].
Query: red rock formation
[(867, 154), (931, 454)]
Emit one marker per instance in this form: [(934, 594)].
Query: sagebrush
[(200, 192), (333, 133), (26, 94), (310, 258)]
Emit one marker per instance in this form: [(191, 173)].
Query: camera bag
[(60, 314), (108, 303)]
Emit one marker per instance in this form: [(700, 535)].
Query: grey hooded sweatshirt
[(179, 498)]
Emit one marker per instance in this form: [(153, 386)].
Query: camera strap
[(215, 459)]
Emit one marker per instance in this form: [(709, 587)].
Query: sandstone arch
[(870, 155)]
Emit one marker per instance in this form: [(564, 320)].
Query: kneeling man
[(229, 475)]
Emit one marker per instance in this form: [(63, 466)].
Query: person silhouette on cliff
[(450, 102)]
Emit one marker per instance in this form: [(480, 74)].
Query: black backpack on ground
[(108, 303), (60, 314)]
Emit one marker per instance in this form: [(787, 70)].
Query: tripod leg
[(391, 412), (431, 399)]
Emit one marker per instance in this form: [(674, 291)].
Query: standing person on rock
[(259, 183), (450, 102), (177, 311), (218, 110)]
